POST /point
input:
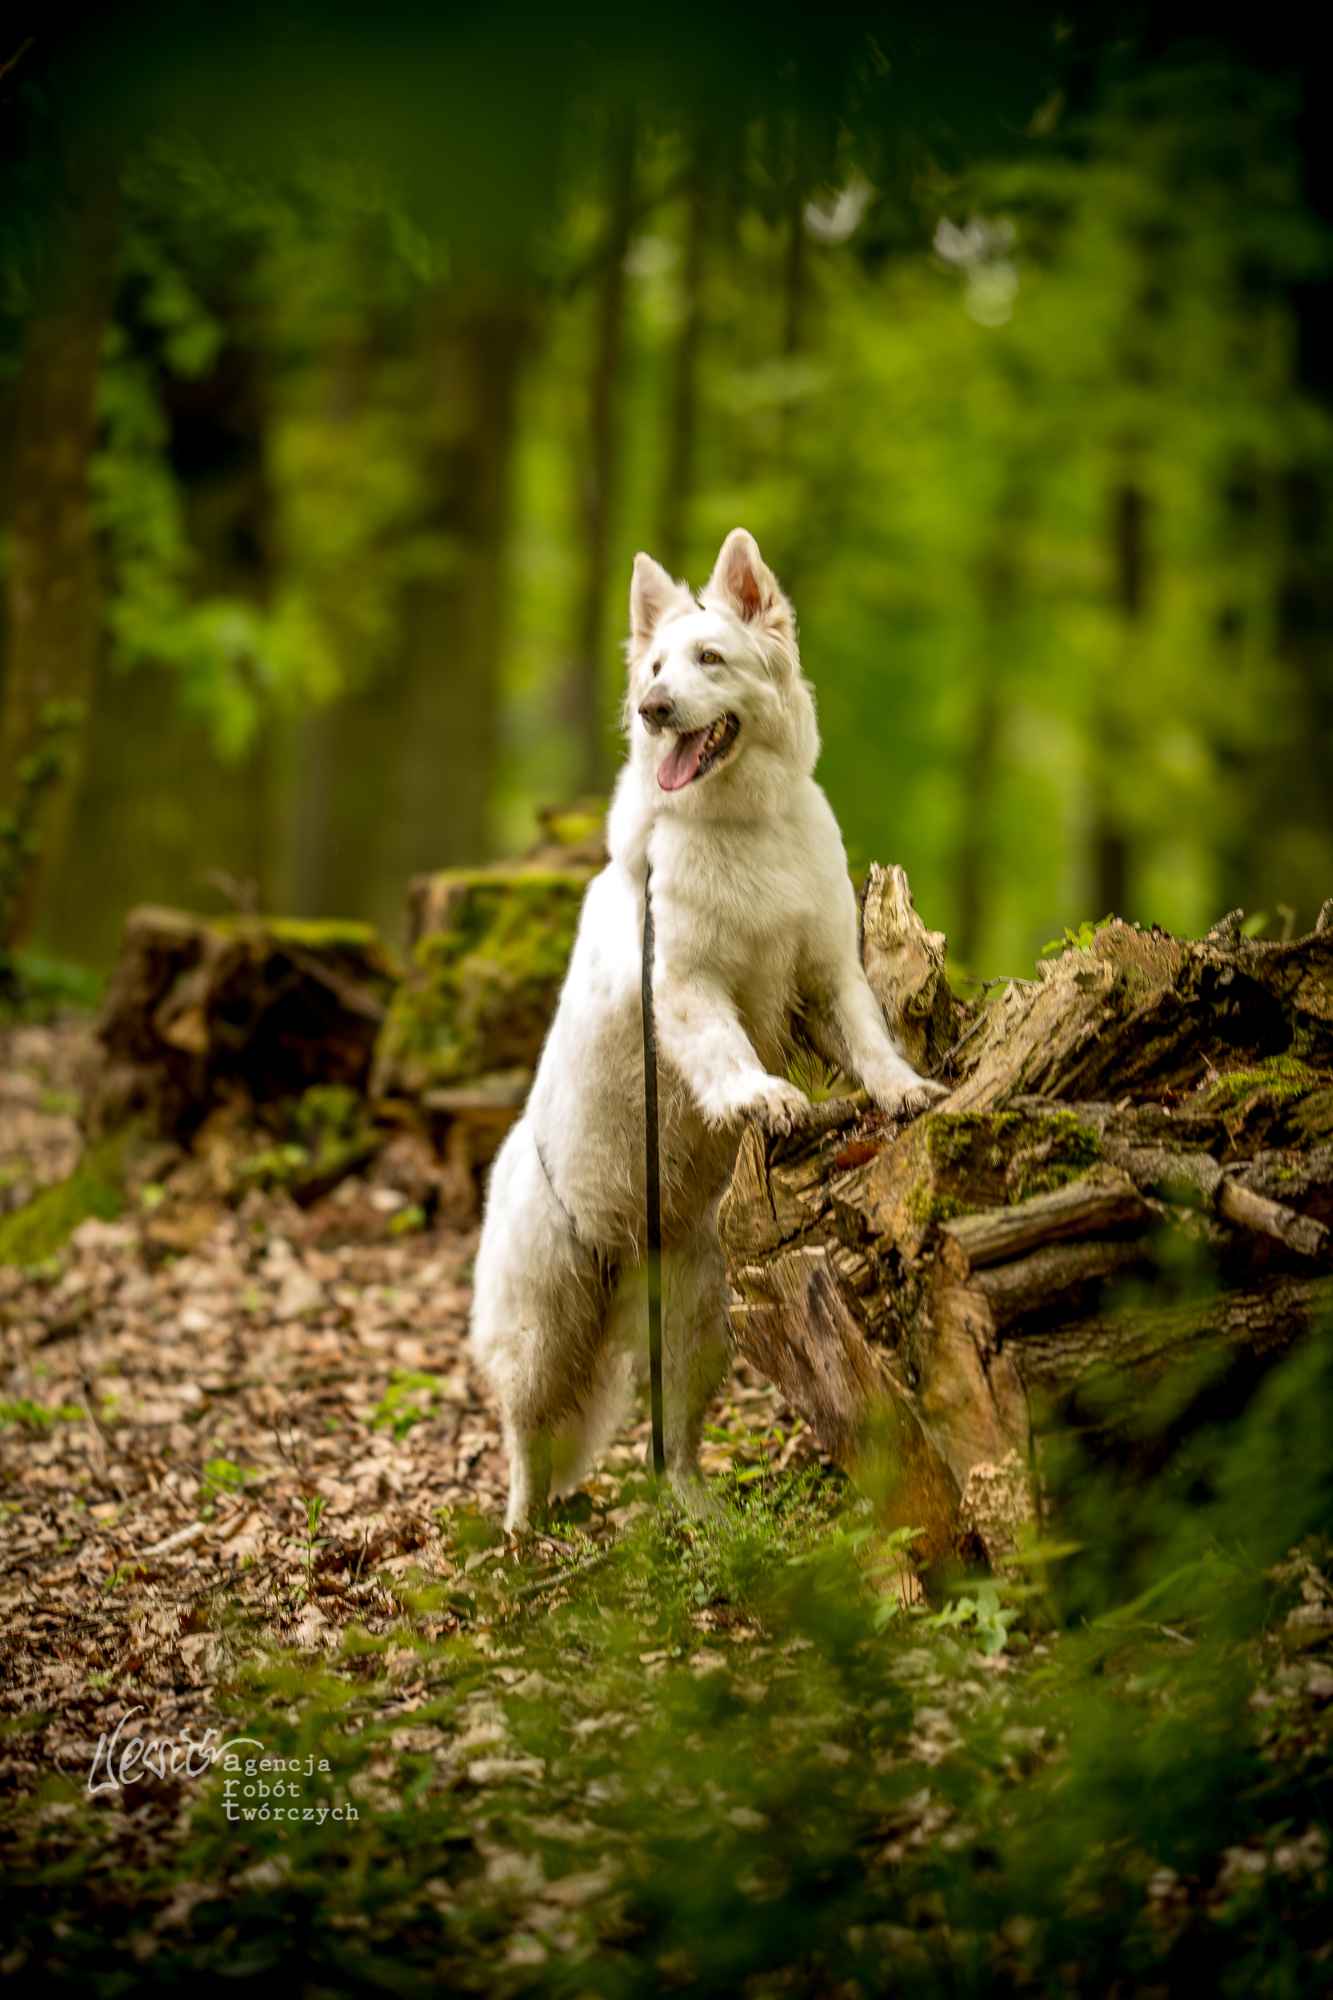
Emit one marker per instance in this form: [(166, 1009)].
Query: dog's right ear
[(651, 591)]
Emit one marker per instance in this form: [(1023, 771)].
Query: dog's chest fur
[(724, 912), (727, 905)]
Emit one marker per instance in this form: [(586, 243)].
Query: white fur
[(755, 922)]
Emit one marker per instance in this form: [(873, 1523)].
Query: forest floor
[(250, 1485)]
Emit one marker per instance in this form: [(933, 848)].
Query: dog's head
[(716, 704)]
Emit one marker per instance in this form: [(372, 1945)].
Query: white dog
[(755, 927)]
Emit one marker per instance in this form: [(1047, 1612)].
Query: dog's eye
[(657, 668), (708, 658)]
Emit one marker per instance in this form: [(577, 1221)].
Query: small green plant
[(408, 1221), (225, 1476), (410, 1398), (314, 1513), (981, 1614), (39, 1417), (1076, 940)]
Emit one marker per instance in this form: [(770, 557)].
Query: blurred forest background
[(346, 360)]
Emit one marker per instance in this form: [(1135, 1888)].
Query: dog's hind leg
[(529, 1453), (538, 1325), (696, 1353), (549, 1370)]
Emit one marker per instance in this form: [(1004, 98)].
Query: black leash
[(652, 1183)]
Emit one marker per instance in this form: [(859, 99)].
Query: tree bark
[(407, 758), (678, 479), (52, 602), (598, 467), (937, 1299), (1111, 853)]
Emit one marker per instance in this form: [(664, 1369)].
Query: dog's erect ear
[(744, 581), (651, 591)]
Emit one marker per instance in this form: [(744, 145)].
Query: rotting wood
[(1085, 1208), (1143, 1101)]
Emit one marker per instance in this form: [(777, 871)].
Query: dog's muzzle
[(657, 712)]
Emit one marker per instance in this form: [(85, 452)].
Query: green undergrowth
[(43, 1226), (34, 988), (722, 1759)]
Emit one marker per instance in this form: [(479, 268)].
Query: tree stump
[(488, 952), (1133, 1171), (206, 1013)]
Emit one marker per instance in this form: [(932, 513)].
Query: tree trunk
[(453, 616), (678, 479), (937, 1299), (159, 815), (1111, 858), (52, 608), (599, 456), (407, 758)]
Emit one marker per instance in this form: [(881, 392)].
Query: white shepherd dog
[(755, 926)]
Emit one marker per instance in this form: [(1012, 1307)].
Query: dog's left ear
[(745, 583), (652, 590)]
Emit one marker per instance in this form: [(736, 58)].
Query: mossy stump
[(462, 1036), (1129, 1188)]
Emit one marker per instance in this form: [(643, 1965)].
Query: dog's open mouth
[(696, 753)]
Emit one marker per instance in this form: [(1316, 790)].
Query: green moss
[(481, 990), (327, 1112), (1314, 1119), (951, 1136), (329, 1135), (45, 1224), (1045, 1180), (975, 1160), (575, 828), (1063, 1149), (925, 1206), (314, 933), (1279, 1078)]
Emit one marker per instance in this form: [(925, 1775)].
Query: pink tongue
[(682, 761)]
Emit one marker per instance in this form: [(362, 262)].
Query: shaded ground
[(182, 1389), (249, 1484)]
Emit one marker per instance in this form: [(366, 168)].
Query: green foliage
[(43, 988), (982, 1612), (932, 448), (1076, 940)]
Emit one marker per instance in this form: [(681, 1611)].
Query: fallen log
[(1132, 1175)]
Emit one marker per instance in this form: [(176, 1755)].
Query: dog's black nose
[(657, 711)]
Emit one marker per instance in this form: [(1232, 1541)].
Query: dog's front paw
[(913, 1096), (779, 1107)]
